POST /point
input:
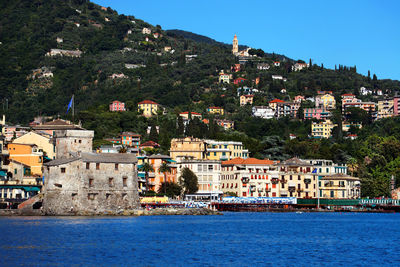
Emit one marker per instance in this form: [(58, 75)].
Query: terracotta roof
[(187, 112), (205, 121), (248, 95), (147, 102), (276, 101), (130, 134), (348, 95), (149, 143), (249, 161)]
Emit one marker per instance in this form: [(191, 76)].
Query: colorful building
[(185, 115), (226, 124), (297, 179), (263, 112), (148, 107), (42, 140), (326, 101), (322, 129), (248, 177), (385, 108), (224, 78), (225, 150), (246, 99), (157, 178), (27, 154), (239, 80), (274, 102), (235, 45), (316, 113), (188, 147), (339, 186), (130, 139), (117, 106), (216, 110)]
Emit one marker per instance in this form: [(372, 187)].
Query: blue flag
[(315, 170), (70, 104)]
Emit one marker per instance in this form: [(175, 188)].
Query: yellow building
[(322, 129), (148, 107), (246, 99), (385, 108), (28, 154), (326, 101), (339, 185), (41, 140), (188, 147), (224, 78), (226, 124), (225, 150), (215, 110), (296, 179)]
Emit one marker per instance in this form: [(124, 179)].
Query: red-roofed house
[(215, 110), (148, 107), (239, 80), (149, 144), (185, 115), (117, 106), (272, 104)]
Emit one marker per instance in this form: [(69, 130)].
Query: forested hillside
[(180, 71)]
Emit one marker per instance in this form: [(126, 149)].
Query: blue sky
[(364, 33)]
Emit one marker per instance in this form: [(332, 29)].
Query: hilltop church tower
[(235, 44)]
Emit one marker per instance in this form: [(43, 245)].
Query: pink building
[(239, 80), (117, 106), (316, 113)]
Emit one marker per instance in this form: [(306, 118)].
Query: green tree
[(164, 168), (180, 130), (189, 182), (170, 189), (153, 136), (146, 168)]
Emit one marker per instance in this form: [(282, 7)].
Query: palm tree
[(147, 167), (164, 168)]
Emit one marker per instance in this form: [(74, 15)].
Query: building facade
[(148, 107), (117, 106), (246, 99), (322, 129), (339, 186)]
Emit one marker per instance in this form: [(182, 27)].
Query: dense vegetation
[(108, 40)]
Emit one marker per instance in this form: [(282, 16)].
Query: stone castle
[(79, 182)]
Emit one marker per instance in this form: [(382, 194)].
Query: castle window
[(97, 166), (110, 182), (116, 166), (62, 170), (91, 180), (87, 165), (80, 141), (125, 181)]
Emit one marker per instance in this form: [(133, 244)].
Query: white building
[(208, 174), (146, 31), (264, 112)]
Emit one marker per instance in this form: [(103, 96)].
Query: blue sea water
[(234, 239)]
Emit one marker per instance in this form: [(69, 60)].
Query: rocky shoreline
[(137, 212)]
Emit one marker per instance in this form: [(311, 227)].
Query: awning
[(30, 189), (3, 173)]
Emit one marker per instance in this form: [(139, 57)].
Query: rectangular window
[(62, 170), (87, 165), (210, 168), (125, 181), (91, 180), (299, 178), (290, 177), (116, 166), (97, 166), (110, 182)]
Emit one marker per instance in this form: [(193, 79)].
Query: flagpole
[(73, 109)]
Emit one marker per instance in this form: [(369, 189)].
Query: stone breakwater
[(137, 212)]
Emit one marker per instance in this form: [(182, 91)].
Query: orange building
[(157, 178), (27, 154)]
